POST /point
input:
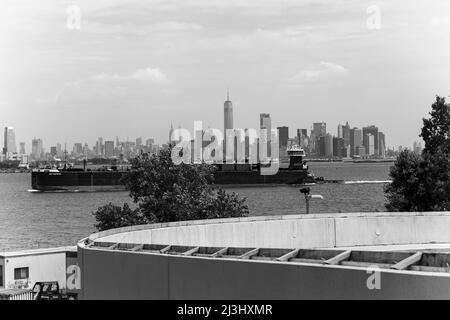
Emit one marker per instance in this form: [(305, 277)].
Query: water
[(37, 220)]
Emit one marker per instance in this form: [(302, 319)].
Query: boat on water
[(110, 179)]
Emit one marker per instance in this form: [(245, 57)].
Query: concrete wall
[(126, 275), (294, 231)]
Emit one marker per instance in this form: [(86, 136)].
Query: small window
[(21, 273), (1, 276)]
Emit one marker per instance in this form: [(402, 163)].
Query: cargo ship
[(78, 180)]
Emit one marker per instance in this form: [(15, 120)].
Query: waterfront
[(32, 220)]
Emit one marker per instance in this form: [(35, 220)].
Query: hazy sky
[(134, 67)]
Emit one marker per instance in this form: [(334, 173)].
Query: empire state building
[(228, 113)]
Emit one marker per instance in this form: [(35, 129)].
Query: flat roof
[(33, 252)]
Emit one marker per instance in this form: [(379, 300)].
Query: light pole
[(308, 197)]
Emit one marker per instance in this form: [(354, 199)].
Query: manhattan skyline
[(133, 68)]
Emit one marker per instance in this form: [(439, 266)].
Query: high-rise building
[(338, 147), (329, 146), (356, 141), (346, 134), (59, 152), (53, 151), (283, 134), (369, 144), (340, 131), (9, 142), (170, 134), (319, 130), (78, 149), (381, 145), (99, 146), (22, 148), (37, 149), (266, 123), (227, 114), (372, 130), (109, 149)]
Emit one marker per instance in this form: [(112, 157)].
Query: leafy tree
[(163, 192), (422, 182)]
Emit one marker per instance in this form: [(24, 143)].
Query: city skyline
[(130, 67)]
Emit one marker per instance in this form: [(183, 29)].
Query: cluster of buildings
[(108, 149), (365, 142)]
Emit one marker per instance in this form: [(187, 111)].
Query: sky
[(131, 68)]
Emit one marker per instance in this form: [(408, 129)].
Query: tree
[(163, 192), (436, 129), (422, 182)]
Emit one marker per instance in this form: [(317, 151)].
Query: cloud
[(324, 73), (150, 75), (104, 88)]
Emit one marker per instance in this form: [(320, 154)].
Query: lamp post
[(308, 197)]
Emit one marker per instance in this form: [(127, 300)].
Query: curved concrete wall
[(294, 231), (115, 274)]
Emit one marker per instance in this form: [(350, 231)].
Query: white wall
[(42, 267)]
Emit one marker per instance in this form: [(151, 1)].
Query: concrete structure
[(21, 269), (272, 257)]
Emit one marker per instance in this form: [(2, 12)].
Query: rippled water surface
[(32, 220)]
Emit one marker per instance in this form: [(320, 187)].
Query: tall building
[(22, 148), (346, 134), (283, 134), (338, 147), (372, 130), (53, 151), (227, 114), (170, 134), (9, 142), (369, 144), (99, 146), (319, 130), (381, 145), (329, 146), (340, 131), (37, 149), (78, 149), (266, 123), (356, 141), (109, 149)]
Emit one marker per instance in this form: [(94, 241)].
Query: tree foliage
[(163, 192), (422, 182)]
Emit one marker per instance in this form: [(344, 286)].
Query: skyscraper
[(329, 146), (381, 145), (266, 123), (283, 133), (373, 130), (355, 141), (37, 148), (22, 148), (228, 114), (346, 134), (9, 142), (109, 149), (170, 133)]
